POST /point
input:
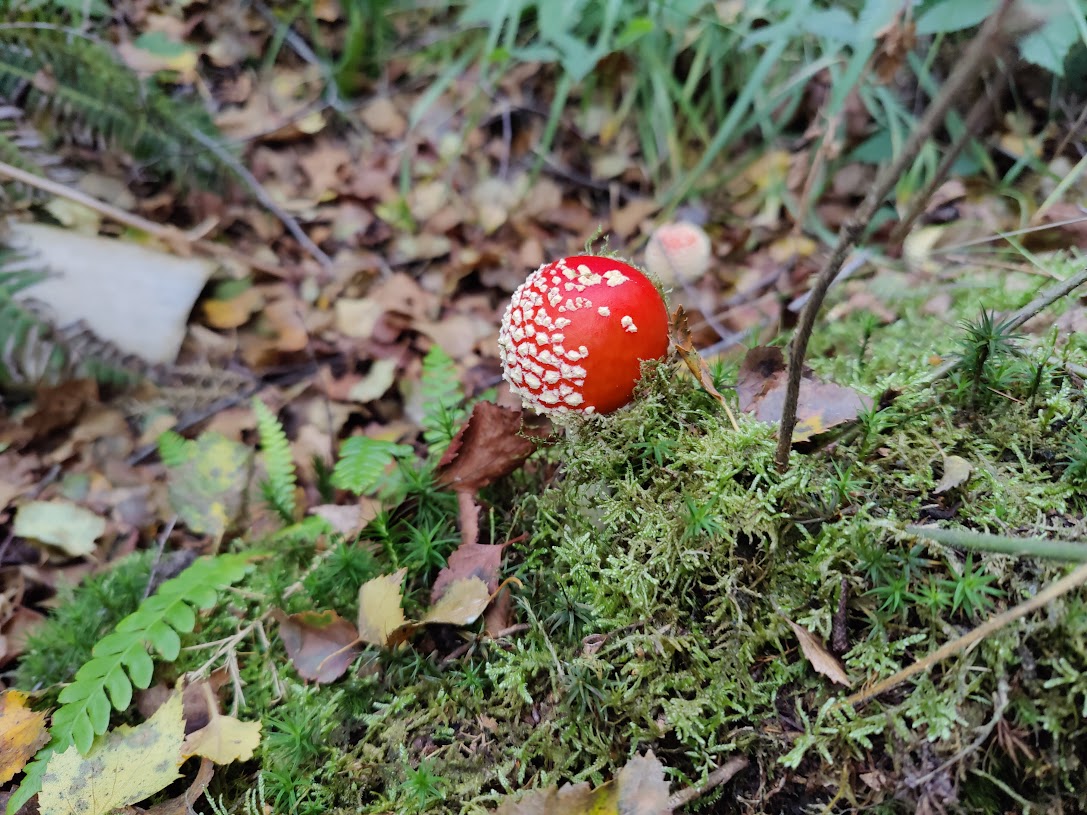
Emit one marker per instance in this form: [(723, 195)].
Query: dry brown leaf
[(320, 644), (639, 789), (820, 658), (382, 117), (22, 733), (822, 405), (481, 560), (486, 448), (956, 472), (684, 345)]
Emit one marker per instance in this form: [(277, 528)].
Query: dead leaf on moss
[(380, 614), (22, 733), (480, 560), (223, 740), (822, 405), (461, 604), (320, 644), (485, 449), (956, 473), (820, 658), (639, 789), (684, 345)]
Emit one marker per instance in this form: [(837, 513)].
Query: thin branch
[(978, 115), (979, 52), (261, 194), (180, 242), (722, 775), (1069, 582)]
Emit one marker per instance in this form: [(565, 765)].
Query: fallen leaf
[(127, 766), (233, 312), (223, 740), (22, 733), (485, 449), (684, 345), (639, 789), (480, 560), (760, 388), (320, 644), (375, 383), (382, 117), (461, 604), (208, 489), (820, 658), (380, 614), (357, 318), (62, 524), (956, 472)]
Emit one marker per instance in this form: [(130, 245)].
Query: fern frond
[(443, 400), (363, 462), (278, 488), (92, 99), (120, 660), (174, 449), (34, 351)]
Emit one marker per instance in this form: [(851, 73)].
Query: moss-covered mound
[(664, 564)]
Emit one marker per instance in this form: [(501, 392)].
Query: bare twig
[(1069, 582), (180, 242), (261, 194), (977, 116), (979, 52), (722, 775), (1017, 318)]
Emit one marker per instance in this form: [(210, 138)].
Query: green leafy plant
[(986, 341), (92, 96), (120, 660), (442, 395), (279, 485), (362, 467)]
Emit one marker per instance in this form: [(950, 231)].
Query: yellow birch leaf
[(380, 613), (461, 604), (223, 739), (127, 766), (22, 733)]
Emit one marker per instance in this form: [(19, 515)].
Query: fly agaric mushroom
[(678, 253), (575, 334)]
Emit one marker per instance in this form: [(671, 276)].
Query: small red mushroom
[(576, 332)]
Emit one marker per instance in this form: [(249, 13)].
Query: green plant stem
[(1003, 544), (981, 49)]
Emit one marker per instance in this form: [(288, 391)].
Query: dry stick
[(1071, 581), (977, 116), (261, 194), (722, 775), (179, 241), (979, 52), (1017, 318)]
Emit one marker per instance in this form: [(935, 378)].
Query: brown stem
[(981, 49), (977, 116)]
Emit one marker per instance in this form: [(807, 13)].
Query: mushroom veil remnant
[(576, 332)]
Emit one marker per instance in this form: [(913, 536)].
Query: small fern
[(278, 488), (174, 449), (120, 660), (443, 400), (363, 462)]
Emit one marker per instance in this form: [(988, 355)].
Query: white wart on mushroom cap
[(575, 333)]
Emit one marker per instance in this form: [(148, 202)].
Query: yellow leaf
[(22, 733), (461, 604), (380, 613), (129, 765), (956, 472), (223, 739)]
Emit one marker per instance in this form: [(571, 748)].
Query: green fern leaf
[(443, 400), (174, 449), (279, 486), (120, 660), (363, 462)]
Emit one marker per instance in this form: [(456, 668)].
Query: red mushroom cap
[(576, 332)]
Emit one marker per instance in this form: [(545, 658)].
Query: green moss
[(661, 561)]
